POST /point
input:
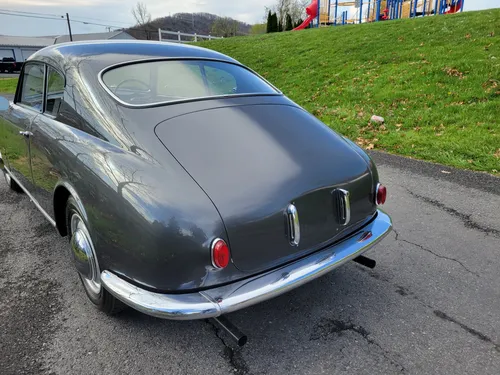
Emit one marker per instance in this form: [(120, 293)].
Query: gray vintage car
[(188, 186)]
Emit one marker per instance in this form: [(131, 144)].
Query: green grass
[(435, 80), (8, 85)]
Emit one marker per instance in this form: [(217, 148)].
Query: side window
[(220, 82), (33, 83), (55, 91)]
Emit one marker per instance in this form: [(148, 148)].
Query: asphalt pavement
[(432, 305)]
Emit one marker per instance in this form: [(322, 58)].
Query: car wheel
[(13, 185), (85, 261)]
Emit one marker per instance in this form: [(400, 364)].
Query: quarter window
[(33, 83), (55, 91), (220, 82)]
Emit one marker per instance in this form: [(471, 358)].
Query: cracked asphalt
[(432, 305)]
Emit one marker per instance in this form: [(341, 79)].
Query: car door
[(46, 139), (15, 123)]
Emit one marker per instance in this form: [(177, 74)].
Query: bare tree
[(141, 14), (226, 27), (142, 17), (295, 8)]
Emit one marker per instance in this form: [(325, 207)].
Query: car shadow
[(339, 304)]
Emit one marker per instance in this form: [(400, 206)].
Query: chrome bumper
[(221, 300)]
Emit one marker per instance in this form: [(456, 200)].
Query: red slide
[(304, 24), (312, 13), (455, 8)]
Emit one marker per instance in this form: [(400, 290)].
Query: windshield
[(167, 81)]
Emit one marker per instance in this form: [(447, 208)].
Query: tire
[(11, 183), (96, 293)]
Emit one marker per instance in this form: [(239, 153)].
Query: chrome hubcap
[(83, 254)]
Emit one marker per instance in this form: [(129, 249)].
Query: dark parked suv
[(9, 65)]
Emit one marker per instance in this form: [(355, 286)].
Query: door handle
[(26, 133)]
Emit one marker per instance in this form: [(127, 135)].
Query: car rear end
[(296, 199)]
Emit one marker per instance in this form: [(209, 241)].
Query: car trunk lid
[(255, 161)]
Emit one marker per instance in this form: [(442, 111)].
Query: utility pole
[(69, 28)]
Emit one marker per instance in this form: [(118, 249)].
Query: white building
[(22, 47)]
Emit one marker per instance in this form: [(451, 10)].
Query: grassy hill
[(435, 80)]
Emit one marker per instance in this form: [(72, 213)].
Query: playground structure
[(333, 12)]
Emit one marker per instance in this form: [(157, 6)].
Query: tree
[(274, 23), (258, 28), (269, 22), (295, 8), (289, 23), (225, 26), (142, 17), (141, 14), (298, 23)]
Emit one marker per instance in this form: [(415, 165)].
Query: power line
[(24, 12), (30, 16), (97, 19), (62, 18), (58, 16)]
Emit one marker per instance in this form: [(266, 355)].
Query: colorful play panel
[(334, 12)]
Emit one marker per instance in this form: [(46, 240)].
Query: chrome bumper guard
[(238, 295)]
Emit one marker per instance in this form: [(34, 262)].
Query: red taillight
[(220, 253), (381, 195)]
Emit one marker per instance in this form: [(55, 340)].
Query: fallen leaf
[(439, 134), (445, 172), (470, 161), (382, 127), (371, 146), (497, 154), (399, 125)]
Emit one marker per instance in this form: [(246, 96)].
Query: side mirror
[(4, 104)]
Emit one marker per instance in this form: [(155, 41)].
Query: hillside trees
[(287, 12)]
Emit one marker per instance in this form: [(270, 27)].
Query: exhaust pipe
[(364, 261), (233, 332)]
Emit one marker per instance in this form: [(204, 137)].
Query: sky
[(118, 13)]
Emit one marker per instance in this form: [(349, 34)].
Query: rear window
[(173, 80)]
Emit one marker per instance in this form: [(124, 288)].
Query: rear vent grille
[(342, 206)]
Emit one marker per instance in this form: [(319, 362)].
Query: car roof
[(102, 54)]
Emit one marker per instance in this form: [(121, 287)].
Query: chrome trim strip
[(342, 204), (187, 100), (47, 216), (346, 206), (221, 300), (293, 225), (376, 194)]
